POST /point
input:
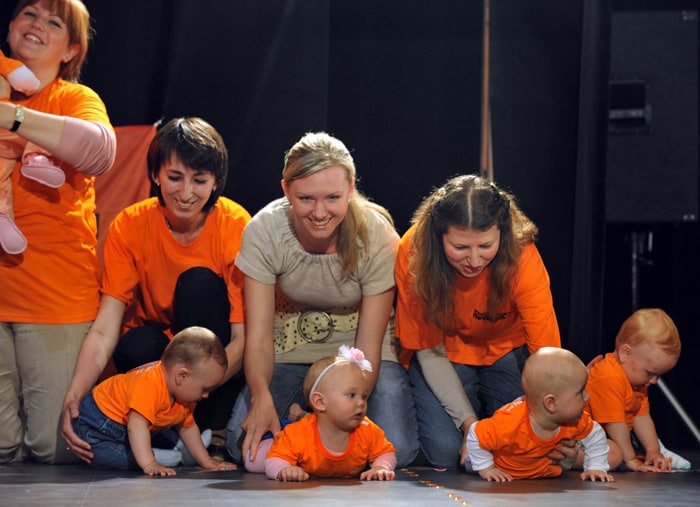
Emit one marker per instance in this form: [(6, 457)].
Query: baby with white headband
[(336, 439)]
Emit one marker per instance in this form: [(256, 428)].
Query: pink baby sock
[(38, 167), (11, 238)]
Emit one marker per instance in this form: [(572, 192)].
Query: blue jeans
[(108, 440), (390, 406), (487, 387)]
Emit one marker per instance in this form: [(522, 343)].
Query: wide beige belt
[(311, 326)]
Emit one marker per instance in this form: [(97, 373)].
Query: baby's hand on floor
[(156, 469), (494, 474), (292, 474), (378, 473), (212, 464), (599, 475)]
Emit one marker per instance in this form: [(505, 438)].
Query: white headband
[(345, 355)]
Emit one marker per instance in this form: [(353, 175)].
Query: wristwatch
[(19, 118)]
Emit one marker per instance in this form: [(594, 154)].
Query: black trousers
[(200, 299)]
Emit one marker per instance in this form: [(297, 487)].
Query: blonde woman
[(318, 266)]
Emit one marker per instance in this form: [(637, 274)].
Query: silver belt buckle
[(315, 326)]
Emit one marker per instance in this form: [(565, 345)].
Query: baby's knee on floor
[(615, 456)]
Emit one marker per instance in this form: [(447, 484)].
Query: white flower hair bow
[(355, 356)]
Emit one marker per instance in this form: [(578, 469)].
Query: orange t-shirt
[(143, 260), (145, 391), (527, 317), (299, 444), (516, 448), (612, 398), (55, 280)]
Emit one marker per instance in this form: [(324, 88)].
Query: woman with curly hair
[(473, 301)]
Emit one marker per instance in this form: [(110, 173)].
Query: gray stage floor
[(54, 486)]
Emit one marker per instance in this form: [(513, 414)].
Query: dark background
[(400, 83)]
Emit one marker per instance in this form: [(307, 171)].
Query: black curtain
[(535, 84), (405, 94), (588, 243), (399, 83), (258, 73)]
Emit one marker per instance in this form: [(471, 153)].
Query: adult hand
[(78, 446), (262, 417), (565, 453)]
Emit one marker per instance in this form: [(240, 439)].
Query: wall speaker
[(652, 152)]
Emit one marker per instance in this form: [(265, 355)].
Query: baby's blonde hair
[(313, 373), (318, 368), (652, 326), (549, 370)]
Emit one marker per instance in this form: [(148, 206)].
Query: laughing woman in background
[(49, 294)]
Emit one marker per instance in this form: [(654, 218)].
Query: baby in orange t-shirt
[(337, 439), (516, 442), (118, 417), (647, 346)]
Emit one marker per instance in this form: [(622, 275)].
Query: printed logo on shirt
[(486, 316)]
